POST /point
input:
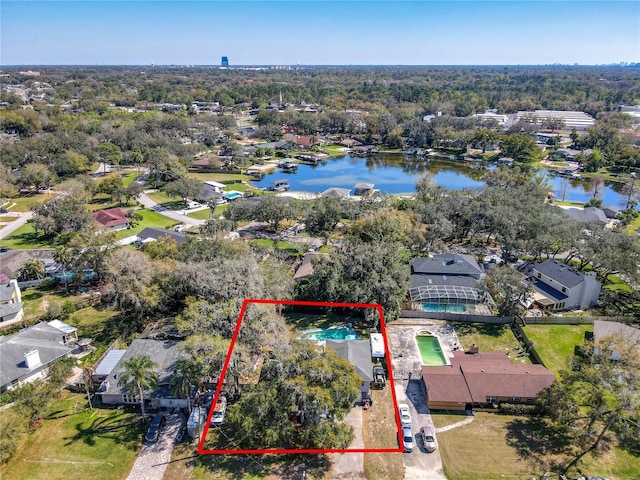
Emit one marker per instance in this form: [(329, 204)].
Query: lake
[(396, 174)]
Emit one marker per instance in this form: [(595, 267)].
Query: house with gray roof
[(630, 333), (165, 355), (358, 353), (150, 234), (10, 302), (446, 278), (559, 286), (589, 215), (26, 356)]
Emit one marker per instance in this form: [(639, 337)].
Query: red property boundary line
[(246, 302)]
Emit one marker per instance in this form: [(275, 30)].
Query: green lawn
[(227, 178), (25, 237), (150, 219), (162, 198), (24, 203), (489, 338), (335, 150), (518, 448), (200, 214), (75, 443), (555, 343)]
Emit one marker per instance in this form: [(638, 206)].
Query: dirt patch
[(379, 430)]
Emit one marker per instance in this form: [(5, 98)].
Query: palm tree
[(63, 256), (139, 374), (181, 381), (34, 267)]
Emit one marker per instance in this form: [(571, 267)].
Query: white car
[(405, 414), (428, 439), (407, 439)]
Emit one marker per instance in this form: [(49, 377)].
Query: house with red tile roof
[(112, 218), (480, 380)]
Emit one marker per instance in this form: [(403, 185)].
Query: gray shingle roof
[(587, 215), (560, 272), (43, 337), (447, 264), (157, 233), (6, 292), (164, 354), (358, 353)]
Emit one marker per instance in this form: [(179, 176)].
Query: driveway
[(16, 224), (350, 466), (153, 459), (406, 361)]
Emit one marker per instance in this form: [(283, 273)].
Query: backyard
[(555, 343), (77, 443), (491, 338), (511, 447)]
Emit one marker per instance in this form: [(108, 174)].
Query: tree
[(110, 153), (128, 275), (131, 191), (184, 187), (64, 256), (138, 375), (522, 148), (36, 175), (631, 189), (113, 187), (33, 269), (598, 401), (323, 216), (64, 213), (507, 287)]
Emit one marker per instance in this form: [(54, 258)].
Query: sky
[(319, 32)]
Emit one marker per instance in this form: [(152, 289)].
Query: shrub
[(518, 409)]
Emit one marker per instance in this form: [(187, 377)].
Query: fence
[(574, 320), (456, 317)]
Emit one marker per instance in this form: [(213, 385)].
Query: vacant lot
[(76, 443), (26, 237)]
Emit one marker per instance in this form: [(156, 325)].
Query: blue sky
[(318, 32)]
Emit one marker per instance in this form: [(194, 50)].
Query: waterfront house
[(588, 215), (363, 188)]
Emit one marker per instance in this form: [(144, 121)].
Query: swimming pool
[(444, 307), (233, 194), (342, 332), (431, 350)]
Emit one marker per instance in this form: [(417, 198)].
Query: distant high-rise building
[(225, 62)]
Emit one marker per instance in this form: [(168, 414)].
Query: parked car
[(157, 423), (379, 378), (407, 438), (405, 414), (219, 410), (428, 439)]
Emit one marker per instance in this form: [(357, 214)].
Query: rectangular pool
[(431, 350), (444, 307)]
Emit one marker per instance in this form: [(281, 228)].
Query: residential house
[(358, 353), (350, 143), (559, 286), (611, 211), (336, 192), (26, 356), (153, 234), (305, 270), (363, 188), (570, 155), (164, 354), (446, 279), (10, 302), (211, 190), (106, 365), (281, 145), (305, 141), (204, 164), (483, 379), (112, 218), (364, 150), (587, 215)]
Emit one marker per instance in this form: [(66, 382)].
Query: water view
[(395, 174)]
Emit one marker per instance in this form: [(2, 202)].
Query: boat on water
[(288, 166), (279, 186)]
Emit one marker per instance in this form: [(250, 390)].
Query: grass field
[(75, 443), (25, 237), (150, 219), (489, 338), (228, 178), (509, 447), (24, 203), (555, 343)]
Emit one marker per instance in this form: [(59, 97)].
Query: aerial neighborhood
[(313, 272)]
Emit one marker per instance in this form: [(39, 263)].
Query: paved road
[(16, 224), (350, 466), (153, 459), (150, 204)]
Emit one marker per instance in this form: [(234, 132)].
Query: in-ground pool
[(444, 307), (233, 194), (342, 332), (431, 350)]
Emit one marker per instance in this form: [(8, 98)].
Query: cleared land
[(555, 343)]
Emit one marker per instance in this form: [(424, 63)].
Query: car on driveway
[(157, 423), (428, 439), (405, 414), (407, 438)]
